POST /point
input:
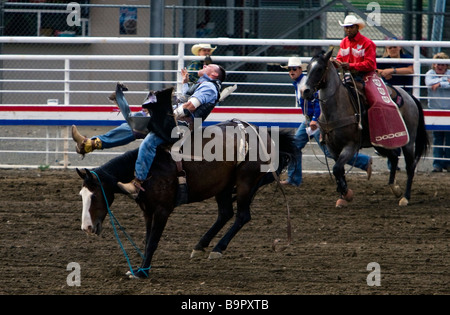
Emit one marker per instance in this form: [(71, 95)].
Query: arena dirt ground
[(40, 214)]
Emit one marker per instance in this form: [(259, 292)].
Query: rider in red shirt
[(357, 53)]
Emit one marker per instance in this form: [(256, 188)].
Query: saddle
[(384, 120)]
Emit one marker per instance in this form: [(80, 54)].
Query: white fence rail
[(14, 115)]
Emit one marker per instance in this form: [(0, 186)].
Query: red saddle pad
[(386, 125)]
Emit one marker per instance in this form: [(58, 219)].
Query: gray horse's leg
[(408, 152), (346, 194), (393, 159)]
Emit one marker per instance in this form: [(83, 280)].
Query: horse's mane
[(120, 168)]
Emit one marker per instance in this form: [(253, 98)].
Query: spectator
[(310, 128), (393, 73), (438, 82), (202, 50)]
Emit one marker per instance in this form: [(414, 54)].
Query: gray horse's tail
[(422, 141)]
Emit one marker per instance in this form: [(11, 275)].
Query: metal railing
[(68, 83)]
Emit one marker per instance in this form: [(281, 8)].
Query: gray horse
[(344, 126)]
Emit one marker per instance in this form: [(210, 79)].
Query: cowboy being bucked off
[(357, 54), (199, 102)]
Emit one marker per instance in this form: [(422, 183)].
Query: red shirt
[(359, 52)]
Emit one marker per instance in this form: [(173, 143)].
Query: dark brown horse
[(341, 130), (236, 178)]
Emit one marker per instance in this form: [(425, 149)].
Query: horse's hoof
[(403, 202), (138, 274), (215, 255), (197, 253), (349, 195), (131, 276), (396, 190), (341, 203)]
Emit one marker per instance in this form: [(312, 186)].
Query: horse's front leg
[(346, 194), (155, 223), (225, 205)]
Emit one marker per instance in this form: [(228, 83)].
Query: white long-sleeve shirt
[(441, 96)]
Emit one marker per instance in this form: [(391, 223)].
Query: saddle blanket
[(386, 125)]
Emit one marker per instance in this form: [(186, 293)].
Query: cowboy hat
[(196, 48), (352, 20), (294, 62)]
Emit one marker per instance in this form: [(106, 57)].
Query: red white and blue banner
[(109, 115)]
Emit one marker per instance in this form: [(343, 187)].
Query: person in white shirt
[(438, 82)]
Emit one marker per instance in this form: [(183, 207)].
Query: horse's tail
[(287, 150), (422, 140)]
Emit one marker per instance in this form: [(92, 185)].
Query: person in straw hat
[(202, 50), (309, 128)]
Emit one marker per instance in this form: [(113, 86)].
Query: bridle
[(320, 84)]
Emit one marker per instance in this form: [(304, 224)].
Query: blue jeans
[(146, 155), (118, 136), (441, 138), (360, 160), (147, 149)]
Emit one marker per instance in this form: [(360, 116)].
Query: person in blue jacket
[(309, 128)]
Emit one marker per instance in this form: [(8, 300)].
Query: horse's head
[(316, 74), (94, 204)]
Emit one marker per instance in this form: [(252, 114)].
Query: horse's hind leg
[(393, 159), (408, 152), (242, 217), (225, 204)]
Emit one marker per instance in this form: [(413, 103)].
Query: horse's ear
[(81, 174), (88, 174), (329, 53)]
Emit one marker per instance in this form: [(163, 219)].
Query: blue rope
[(114, 221)]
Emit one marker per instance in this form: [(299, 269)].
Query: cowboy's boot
[(84, 144), (132, 188)]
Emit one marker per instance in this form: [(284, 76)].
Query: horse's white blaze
[(313, 65), (86, 220)]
